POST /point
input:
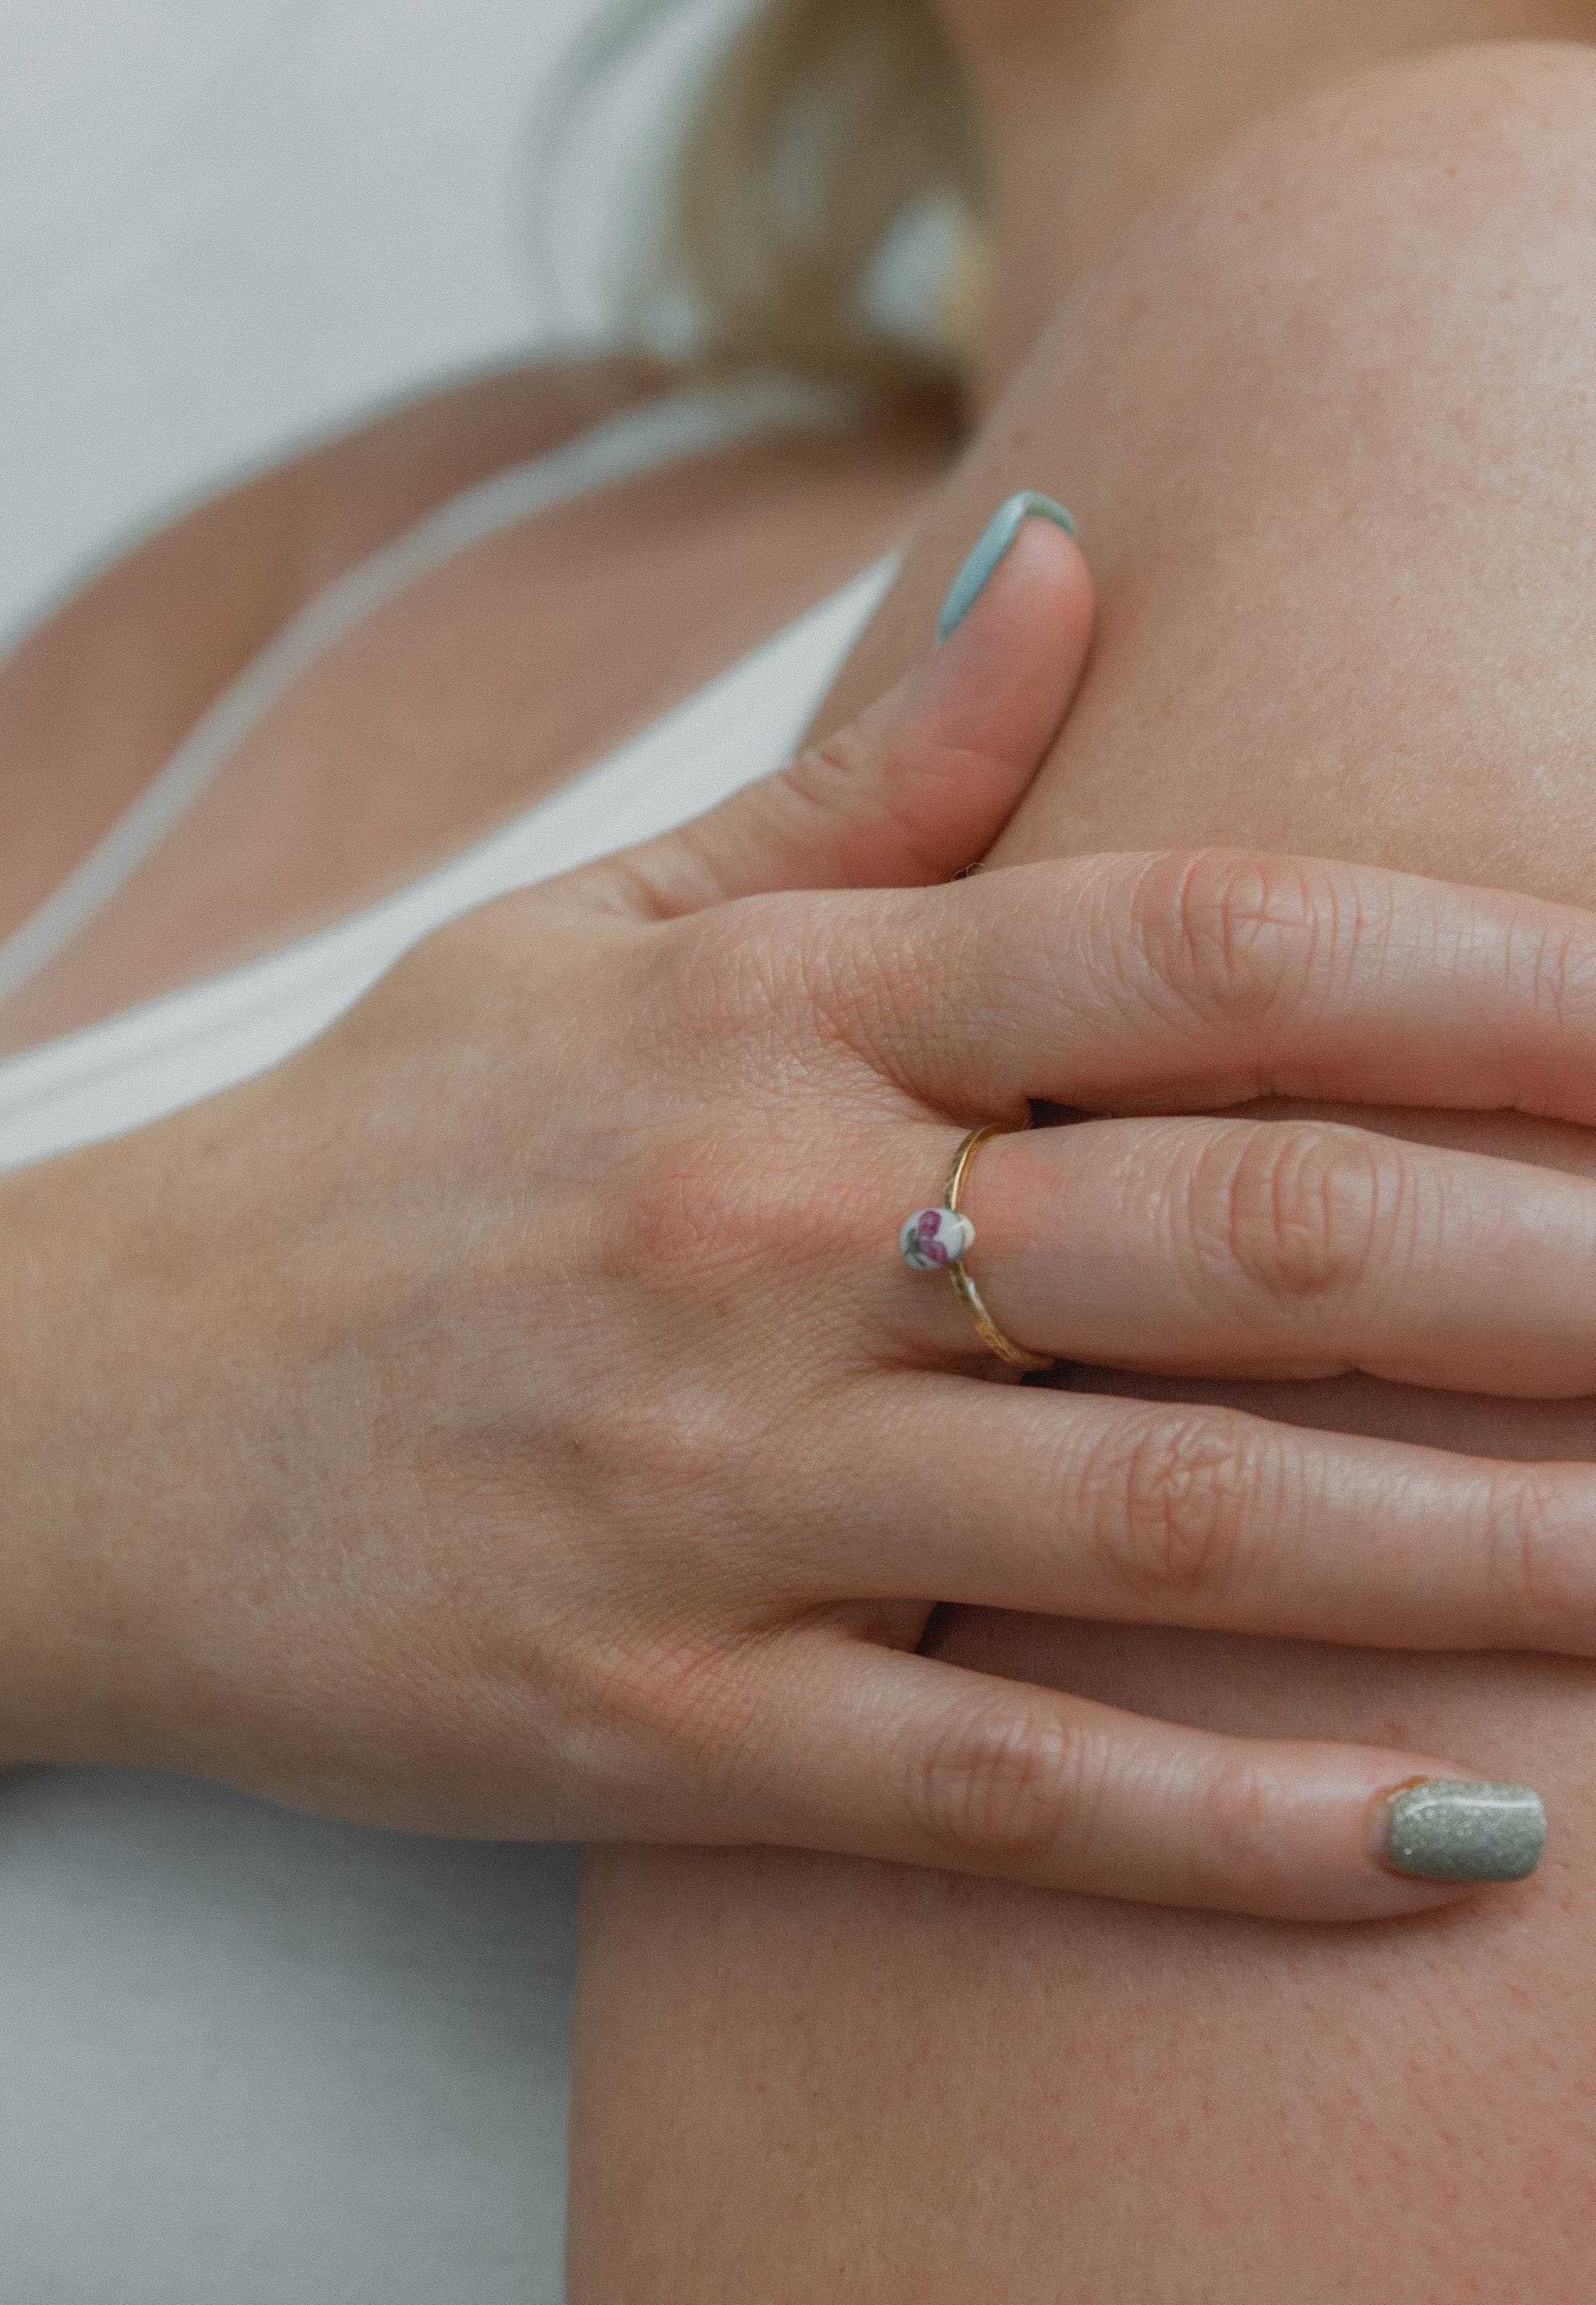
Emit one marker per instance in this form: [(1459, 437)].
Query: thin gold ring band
[(965, 1289)]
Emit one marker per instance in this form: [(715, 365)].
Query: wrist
[(73, 1350)]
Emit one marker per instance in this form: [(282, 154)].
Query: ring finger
[(1273, 1248)]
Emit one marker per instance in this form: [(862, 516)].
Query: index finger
[(1211, 977)]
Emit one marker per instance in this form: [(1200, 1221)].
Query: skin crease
[(1325, 420), (781, 2033)]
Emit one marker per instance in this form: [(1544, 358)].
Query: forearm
[(1336, 589), (120, 1409), (59, 1457)]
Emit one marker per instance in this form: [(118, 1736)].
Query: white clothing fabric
[(252, 2056)]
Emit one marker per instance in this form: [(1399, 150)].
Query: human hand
[(512, 1416)]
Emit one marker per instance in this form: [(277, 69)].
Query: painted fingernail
[(998, 536), (1458, 1828)]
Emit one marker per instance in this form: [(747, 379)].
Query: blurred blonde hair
[(822, 137)]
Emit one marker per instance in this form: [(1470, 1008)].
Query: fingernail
[(998, 535), (1456, 1829)]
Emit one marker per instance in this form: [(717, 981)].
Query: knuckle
[(1170, 1507), (1538, 1580), (671, 1449), (680, 1218), (693, 1224), (844, 758), (1562, 975), (725, 970), (1235, 1830), (913, 787), (637, 1706), (783, 812), (997, 1784), (765, 986), (1233, 935), (687, 1701), (833, 772), (1299, 1210)]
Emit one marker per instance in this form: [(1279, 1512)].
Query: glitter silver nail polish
[(1456, 1829)]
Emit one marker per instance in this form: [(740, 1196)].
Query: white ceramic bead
[(932, 1238)]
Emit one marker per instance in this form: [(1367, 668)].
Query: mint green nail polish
[(1461, 1829), (999, 534)]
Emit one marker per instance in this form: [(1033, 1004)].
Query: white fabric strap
[(657, 433)]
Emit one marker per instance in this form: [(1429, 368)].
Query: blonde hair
[(824, 136)]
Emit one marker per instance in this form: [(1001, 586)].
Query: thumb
[(923, 780)]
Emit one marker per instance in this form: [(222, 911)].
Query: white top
[(250, 2055)]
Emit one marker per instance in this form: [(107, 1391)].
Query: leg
[(1330, 429)]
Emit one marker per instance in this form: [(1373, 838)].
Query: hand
[(512, 1416)]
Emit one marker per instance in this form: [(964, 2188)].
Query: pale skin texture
[(492, 1590), (479, 687), (678, 2057), (1327, 424)]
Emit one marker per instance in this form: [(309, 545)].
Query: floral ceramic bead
[(932, 1238)]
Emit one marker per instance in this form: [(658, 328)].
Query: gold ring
[(937, 1240)]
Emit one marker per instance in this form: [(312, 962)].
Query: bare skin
[(478, 688), (1326, 420), (102, 688), (780, 2033)]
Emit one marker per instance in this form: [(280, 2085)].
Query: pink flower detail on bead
[(933, 1238)]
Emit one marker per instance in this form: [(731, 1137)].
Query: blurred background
[(226, 222)]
